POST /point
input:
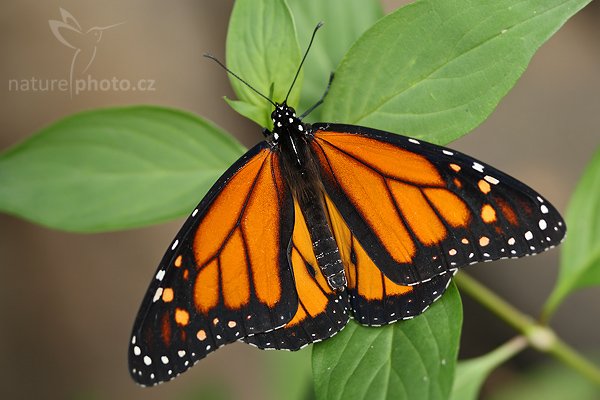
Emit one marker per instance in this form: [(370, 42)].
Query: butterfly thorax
[(291, 138), (290, 134)]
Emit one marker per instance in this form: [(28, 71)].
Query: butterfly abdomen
[(323, 243)]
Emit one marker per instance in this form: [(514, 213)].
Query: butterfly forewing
[(421, 210), (226, 275)]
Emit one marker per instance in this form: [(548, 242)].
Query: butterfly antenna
[(320, 24), (210, 56)]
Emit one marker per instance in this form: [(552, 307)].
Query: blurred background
[(67, 301)]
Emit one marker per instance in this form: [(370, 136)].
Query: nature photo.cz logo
[(85, 44)]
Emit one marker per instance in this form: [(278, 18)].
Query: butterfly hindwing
[(226, 275), (421, 210), (374, 298), (321, 312)]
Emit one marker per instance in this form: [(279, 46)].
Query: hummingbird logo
[(84, 43)]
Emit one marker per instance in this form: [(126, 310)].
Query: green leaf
[(246, 109), (470, 374), (580, 255), (412, 359), (345, 21), (263, 50), (114, 169), (436, 69)]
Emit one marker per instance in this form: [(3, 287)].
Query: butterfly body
[(291, 142)]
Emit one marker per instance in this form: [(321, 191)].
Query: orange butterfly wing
[(225, 276), (321, 312), (421, 210), (375, 299)]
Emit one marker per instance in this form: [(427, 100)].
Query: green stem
[(539, 336)]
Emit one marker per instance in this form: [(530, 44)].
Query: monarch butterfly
[(318, 222)]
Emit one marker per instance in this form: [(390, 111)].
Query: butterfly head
[(285, 122)]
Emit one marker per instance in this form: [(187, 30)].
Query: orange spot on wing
[(484, 241), (507, 211), (178, 260), (186, 274), (182, 317), (418, 213), (484, 186), (488, 214), (201, 335), (167, 295), (206, 287), (455, 167), (234, 274), (458, 183), (450, 206)]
